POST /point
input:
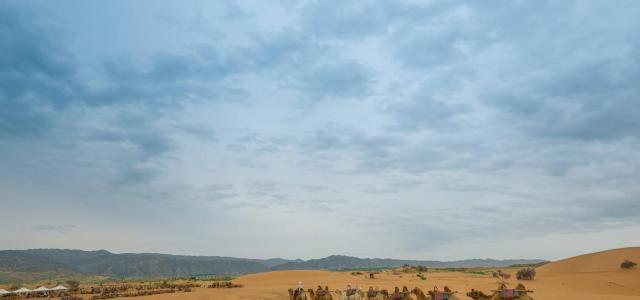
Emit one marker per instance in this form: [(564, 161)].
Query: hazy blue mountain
[(340, 262), (148, 265), (126, 264)]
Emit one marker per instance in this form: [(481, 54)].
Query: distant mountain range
[(152, 265), (340, 262)]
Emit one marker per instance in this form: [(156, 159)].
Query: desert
[(589, 276)]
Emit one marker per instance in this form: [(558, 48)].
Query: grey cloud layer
[(383, 117)]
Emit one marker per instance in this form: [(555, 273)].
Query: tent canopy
[(41, 289), (22, 290), (4, 292), (59, 287)]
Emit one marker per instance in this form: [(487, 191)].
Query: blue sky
[(408, 129)]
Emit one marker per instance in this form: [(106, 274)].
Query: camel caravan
[(371, 294), (502, 293), (435, 294)]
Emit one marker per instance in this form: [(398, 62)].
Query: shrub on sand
[(627, 264)]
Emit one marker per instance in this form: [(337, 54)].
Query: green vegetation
[(477, 271), (48, 277), (183, 278), (18, 280), (540, 264)]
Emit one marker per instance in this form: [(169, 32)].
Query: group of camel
[(502, 293), (520, 292)]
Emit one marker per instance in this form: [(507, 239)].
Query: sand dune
[(605, 261)]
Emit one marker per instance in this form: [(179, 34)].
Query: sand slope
[(605, 261), (615, 285)]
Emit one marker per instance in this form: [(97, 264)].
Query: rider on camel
[(396, 294), (350, 291), (371, 292), (298, 290)]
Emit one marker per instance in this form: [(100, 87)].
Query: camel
[(480, 295), (324, 296), (301, 296), (377, 295), (520, 292), (397, 295), (356, 296), (435, 294)]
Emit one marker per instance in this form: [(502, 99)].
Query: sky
[(301, 129)]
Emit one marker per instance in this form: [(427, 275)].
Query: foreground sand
[(274, 285), (585, 277)]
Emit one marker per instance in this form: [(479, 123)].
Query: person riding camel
[(320, 291), (298, 290), (396, 294), (350, 291), (371, 293)]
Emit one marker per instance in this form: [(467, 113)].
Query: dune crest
[(604, 261)]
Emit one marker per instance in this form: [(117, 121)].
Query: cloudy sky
[(301, 129)]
